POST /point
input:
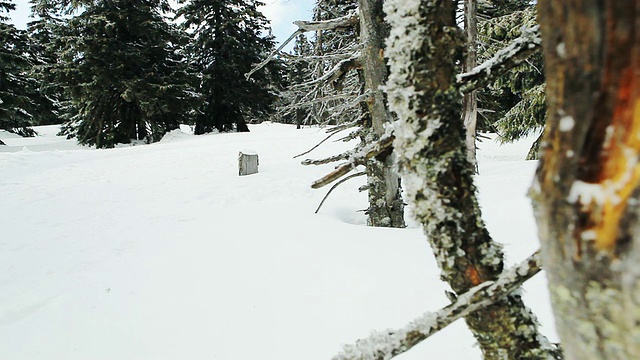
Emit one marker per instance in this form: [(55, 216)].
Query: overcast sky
[(282, 14)]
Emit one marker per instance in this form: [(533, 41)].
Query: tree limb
[(507, 58), (388, 344), (360, 158), (343, 156), (333, 24), (338, 184)]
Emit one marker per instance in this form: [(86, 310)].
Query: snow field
[(162, 251)]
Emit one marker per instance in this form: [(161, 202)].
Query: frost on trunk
[(587, 184), (430, 142), (383, 183), (470, 100)]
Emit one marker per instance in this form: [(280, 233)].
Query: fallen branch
[(507, 58), (388, 344), (338, 184)]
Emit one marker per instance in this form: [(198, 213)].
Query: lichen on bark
[(423, 48)]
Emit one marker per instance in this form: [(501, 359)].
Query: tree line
[(119, 71)]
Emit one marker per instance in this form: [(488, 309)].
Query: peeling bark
[(588, 180), (430, 142)]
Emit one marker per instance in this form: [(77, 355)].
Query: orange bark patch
[(473, 275), (620, 174)]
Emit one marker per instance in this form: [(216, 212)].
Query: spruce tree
[(121, 68), (17, 108), (516, 101), (227, 39)]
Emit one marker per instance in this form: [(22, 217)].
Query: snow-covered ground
[(162, 251)]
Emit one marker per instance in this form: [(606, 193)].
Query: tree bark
[(588, 181), (423, 48), (385, 200), (470, 100)]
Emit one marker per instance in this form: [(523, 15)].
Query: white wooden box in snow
[(247, 162)]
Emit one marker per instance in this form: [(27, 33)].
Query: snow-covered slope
[(163, 252)]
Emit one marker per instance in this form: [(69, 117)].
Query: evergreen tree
[(44, 46), (226, 41), (122, 71), (16, 88), (516, 101)]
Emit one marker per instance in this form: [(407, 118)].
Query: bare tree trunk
[(588, 181), (385, 200), (470, 100), (430, 141)]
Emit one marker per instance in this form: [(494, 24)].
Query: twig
[(315, 147), (388, 344), (336, 185)]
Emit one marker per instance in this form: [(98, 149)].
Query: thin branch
[(304, 26), (338, 184), (360, 158), (315, 147), (388, 344), (344, 156), (264, 62), (348, 20)]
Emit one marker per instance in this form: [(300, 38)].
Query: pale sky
[(282, 14)]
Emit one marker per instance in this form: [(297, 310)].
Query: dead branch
[(316, 146), (346, 21), (360, 158), (336, 72), (338, 184), (304, 26), (507, 58), (344, 156), (388, 344)]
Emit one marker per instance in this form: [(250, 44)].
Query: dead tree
[(588, 180), (430, 142)]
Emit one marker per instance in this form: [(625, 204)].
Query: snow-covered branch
[(388, 344), (348, 20), (515, 53)]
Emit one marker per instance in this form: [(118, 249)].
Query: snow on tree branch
[(390, 343), (348, 20), (515, 53)]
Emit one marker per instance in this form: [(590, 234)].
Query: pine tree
[(226, 41), (121, 68), (16, 88)]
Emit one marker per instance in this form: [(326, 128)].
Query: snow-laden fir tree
[(227, 38), (17, 107), (119, 64), (514, 105)]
